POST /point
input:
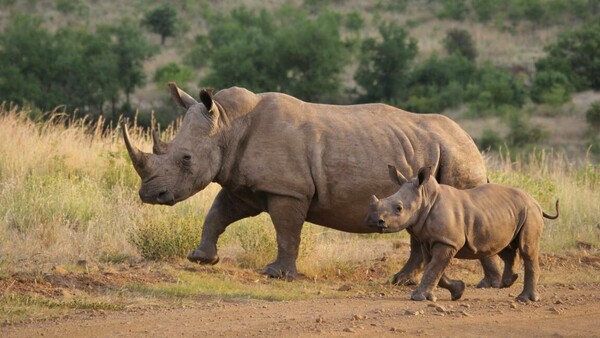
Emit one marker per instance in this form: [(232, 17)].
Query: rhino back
[(337, 156)]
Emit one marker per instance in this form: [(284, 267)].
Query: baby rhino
[(469, 224)]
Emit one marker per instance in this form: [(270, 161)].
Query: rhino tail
[(550, 216)]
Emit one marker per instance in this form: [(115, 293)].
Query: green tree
[(172, 72), (286, 51), (459, 41), (162, 21), (131, 49), (576, 55), (383, 70), (551, 87)]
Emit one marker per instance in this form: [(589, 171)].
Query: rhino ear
[(424, 174), (180, 97), (206, 99), (395, 175)]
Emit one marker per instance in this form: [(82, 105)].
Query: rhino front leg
[(409, 274), (288, 215), (440, 257), (226, 209)]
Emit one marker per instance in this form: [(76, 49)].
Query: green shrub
[(166, 238), (198, 54), (490, 140), (495, 92), (522, 133), (172, 72), (454, 9), (592, 115), (459, 41), (551, 87)]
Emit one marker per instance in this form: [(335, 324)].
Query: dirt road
[(572, 310)]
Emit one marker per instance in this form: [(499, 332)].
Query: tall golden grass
[(68, 192)]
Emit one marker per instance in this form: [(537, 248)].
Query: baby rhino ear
[(424, 174)]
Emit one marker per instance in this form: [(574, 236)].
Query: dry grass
[(68, 192)]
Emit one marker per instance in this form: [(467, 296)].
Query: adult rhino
[(299, 162)]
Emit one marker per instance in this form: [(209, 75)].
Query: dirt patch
[(569, 305)]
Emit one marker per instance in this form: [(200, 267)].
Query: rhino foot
[(199, 256), (274, 270), (402, 278), (528, 296), (457, 289), (421, 296), (508, 281), (489, 282)]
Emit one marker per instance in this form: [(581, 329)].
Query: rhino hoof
[(509, 281), (404, 279), (198, 256), (528, 296), (457, 290), (489, 283), (421, 296), (279, 273)]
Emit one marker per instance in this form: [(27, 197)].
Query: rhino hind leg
[(491, 272), (456, 287), (509, 277), (409, 274), (529, 249), (288, 215)]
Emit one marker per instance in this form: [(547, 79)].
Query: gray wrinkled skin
[(470, 224), (299, 162)]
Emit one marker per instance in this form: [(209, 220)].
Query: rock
[(320, 319), (410, 312), (556, 310), (345, 287), (571, 287), (513, 305), (465, 305), (349, 329), (358, 317), (558, 301), (431, 304), (465, 313), (440, 314), (440, 308)]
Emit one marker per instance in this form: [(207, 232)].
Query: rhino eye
[(186, 159), (398, 208)]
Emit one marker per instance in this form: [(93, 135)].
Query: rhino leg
[(288, 215), (440, 257), (456, 287), (226, 209), (491, 272), (529, 248), (409, 274), (509, 276)]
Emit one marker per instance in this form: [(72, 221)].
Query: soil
[(569, 308)]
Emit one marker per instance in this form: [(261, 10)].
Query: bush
[(575, 55), (161, 239), (592, 115), (495, 92), (490, 140), (551, 87), (459, 41), (454, 9), (522, 133), (198, 54), (172, 72)]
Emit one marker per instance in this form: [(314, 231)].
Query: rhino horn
[(158, 147), (138, 158), (373, 199)]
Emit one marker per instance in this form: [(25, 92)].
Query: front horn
[(138, 158)]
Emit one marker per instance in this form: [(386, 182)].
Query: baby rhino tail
[(550, 216)]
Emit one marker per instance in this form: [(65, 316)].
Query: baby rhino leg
[(456, 287), (529, 245), (509, 276)]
